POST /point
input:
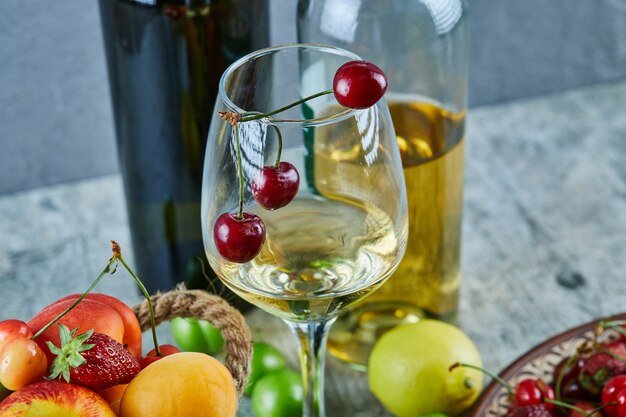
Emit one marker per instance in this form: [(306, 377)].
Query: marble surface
[(543, 244), (54, 95)]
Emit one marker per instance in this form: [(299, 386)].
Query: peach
[(88, 314), (132, 331), (55, 399), (113, 396)]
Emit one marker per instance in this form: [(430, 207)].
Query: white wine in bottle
[(423, 48), (430, 139)]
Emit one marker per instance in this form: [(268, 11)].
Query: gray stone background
[(55, 111)]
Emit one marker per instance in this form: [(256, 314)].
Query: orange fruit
[(185, 384)]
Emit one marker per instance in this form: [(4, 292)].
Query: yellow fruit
[(409, 370), (185, 384)]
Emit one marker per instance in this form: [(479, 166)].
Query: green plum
[(265, 359), (278, 394), (193, 335)]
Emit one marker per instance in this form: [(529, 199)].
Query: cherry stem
[(559, 378), (239, 171), (568, 406), (615, 325), (600, 408), (249, 116), (613, 355), (258, 116), (278, 134), (117, 257), (81, 298), (500, 381), (147, 296), (280, 146)]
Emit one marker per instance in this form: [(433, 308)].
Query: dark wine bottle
[(165, 59)]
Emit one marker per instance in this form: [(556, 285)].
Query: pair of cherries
[(241, 239), (356, 85)]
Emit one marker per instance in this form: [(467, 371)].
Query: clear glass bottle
[(422, 46)]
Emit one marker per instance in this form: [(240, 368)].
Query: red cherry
[(274, 188), (359, 84), (620, 399), (148, 360), (586, 406), (533, 392), (22, 362), (239, 240), (151, 357), (610, 392), (570, 385), (11, 329)]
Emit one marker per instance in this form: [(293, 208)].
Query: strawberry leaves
[(68, 356), (93, 360)]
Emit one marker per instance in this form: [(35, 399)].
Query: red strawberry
[(93, 360), (539, 410), (602, 366)]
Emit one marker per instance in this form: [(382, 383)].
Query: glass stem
[(312, 345)]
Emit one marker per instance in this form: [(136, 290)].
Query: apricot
[(185, 384), (113, 396), (88, 314)]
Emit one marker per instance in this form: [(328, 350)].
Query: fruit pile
[(82, 356), (589, 383)]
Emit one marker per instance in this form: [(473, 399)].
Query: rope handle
[(215, 310)]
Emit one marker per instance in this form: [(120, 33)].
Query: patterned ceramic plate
[(539, 362)]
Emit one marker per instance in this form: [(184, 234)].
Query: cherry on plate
[(610, 392), (534, 392)]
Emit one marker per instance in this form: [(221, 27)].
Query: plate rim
[(536, 351)]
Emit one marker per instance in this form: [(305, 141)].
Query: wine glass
[(345, 231)]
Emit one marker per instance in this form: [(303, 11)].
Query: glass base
[(354, 334)]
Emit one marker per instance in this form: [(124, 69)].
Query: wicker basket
[(214, 309)]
